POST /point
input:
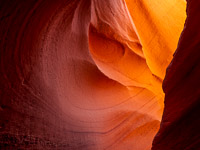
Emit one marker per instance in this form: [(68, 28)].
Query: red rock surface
[(56, 94), (53, 96)]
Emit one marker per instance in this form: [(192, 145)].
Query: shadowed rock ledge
[(180, 122)]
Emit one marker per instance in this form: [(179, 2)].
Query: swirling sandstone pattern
[(87, 75)]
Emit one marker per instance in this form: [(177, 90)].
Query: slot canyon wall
[(88, 75), (180, 123)]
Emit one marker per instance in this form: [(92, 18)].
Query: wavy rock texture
[(87, 75)]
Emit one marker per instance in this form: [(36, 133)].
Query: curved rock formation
[(87, 75)]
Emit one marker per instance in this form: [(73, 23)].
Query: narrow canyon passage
[(88, 74)]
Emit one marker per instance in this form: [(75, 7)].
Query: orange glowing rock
[(132, 42)]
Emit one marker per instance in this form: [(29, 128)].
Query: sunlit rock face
[(88, 75)]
